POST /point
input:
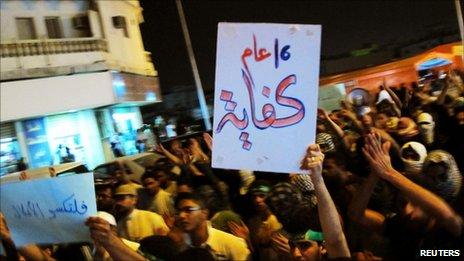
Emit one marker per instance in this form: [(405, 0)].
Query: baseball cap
[(126, 189)]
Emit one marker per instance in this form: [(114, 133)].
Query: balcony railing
[(52, 46)]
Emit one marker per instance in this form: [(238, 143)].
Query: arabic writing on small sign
[(32, 209), (268, 111)]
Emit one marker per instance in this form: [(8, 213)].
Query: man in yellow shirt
[(192, 218), (135, 224), (153, 197)]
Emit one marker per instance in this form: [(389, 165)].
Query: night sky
[(346, 25)]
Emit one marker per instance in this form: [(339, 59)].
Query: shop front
[(10, 154), (81, 119)]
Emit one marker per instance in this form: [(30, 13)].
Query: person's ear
[(205, 213)]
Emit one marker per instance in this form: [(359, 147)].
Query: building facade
[(73, 76)]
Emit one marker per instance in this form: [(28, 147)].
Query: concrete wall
[(38, 10), (125, 51), (125, 54), (30, 98)]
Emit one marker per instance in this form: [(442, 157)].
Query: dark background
[(346, 26)]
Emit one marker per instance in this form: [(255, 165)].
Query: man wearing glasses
[(192, 218)]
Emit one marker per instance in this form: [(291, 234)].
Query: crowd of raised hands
[(376, 185)]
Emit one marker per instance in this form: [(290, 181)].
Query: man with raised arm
[(335, 242), (423, 220)]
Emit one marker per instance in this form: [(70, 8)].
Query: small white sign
[(266, 93), (49, 211)]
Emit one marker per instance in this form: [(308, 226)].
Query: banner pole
[(460, 22), (193, 63)]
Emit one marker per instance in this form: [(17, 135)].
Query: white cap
[(107, 216), (425, 118)]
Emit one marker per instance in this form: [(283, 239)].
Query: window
[(54, 28), (120, 22), (26, 28)]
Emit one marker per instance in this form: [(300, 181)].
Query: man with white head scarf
[(325, 141), (413, 155), (441, 175), (426, 127)]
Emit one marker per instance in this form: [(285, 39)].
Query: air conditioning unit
[(119, 21), (80, 22)]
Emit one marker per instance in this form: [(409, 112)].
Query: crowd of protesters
[(384, 181)]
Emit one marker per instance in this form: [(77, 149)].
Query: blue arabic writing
[(69, 205), (29, 209)]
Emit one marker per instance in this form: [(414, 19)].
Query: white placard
[(49, 211), (266, 90)]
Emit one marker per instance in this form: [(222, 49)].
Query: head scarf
[(414, 167), (326, 142), (427, 126), (296, 213), (305, 185), (449, 186)]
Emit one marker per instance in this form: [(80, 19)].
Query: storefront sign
[(136, 88), (265, 95), (37, 143), (49, 211)]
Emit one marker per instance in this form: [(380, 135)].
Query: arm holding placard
[(29, 252), (6, 241), (100, 231), (334, 237), (34, 253)]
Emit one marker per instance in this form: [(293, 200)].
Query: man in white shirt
[(192, 218), (135, 224)]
